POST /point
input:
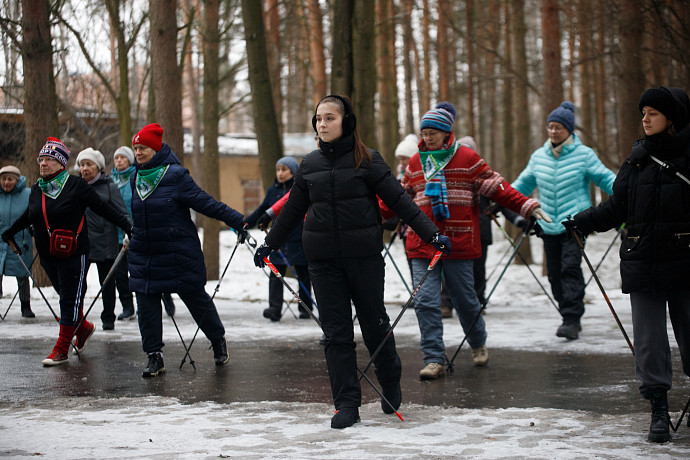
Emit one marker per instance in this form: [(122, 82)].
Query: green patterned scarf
[(148, 180), (53, 187)]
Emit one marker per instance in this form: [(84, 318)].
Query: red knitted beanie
[(151, 136)]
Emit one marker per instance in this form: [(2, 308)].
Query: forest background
[(92, 72)]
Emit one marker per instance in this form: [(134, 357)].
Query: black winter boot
[(345, 417), (272, 313), (394, 396), (26, 310), (220, 351), (658, 429), (155, 366)]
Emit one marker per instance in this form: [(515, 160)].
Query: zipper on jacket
[(335, 210)]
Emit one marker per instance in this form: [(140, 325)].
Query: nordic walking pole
[(615, 237), (431, 266), (15, 249), (512, 243), (675, 428), (390, 256), (106, 280), (268, 275), (311, 313), (251, 242), (16, 293), (479, 313), (294, 273), (500, 262), (601, 288)]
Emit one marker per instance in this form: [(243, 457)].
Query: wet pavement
[(296, 372)]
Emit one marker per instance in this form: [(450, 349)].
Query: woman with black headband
[(336, 187)]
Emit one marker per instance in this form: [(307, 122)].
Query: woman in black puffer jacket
[(336, 186), (654, 201)]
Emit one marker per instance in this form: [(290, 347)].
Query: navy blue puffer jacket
[(165, 252)]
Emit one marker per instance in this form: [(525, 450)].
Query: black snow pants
[(337, 283)]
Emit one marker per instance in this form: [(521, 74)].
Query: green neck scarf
[(148, 180), (53, 187), (434, 161)]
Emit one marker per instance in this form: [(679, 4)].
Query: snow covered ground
[(519, 317)]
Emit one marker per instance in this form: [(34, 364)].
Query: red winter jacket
[(467, 176)]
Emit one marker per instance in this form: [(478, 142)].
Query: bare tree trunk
[(551, 51), (317, 61), (166, 72), (273, 48), (471, 67), (298, 97), (211, 40), (123, 101), (508, 91), (425, 97), (265, 120), (341, 62), (602, 134), (586, 51), (191, 10), (40, 101), (408, 62), (388, 100), (442, 31), (631, 82), (521, 122), (363, 67)]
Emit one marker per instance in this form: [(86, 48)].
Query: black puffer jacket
[(655, 204), (343, 215), (103, 239)]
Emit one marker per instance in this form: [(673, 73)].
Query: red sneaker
[(85, 331), (55, 358)]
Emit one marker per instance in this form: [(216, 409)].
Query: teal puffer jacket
[(563, 182)]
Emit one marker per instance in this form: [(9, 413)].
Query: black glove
[(261, 252), (537, 230), (8, 238), (243, 234), (572, 229), (441, 243), (263, 221)]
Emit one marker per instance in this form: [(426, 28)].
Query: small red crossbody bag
[(63, 243)]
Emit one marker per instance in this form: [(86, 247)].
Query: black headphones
[(349, 120)]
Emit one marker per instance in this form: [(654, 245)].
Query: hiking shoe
[(85, 331), (220, 351), (446, 312), (569, 330), (345, 417), (272, 313), (108, 326), (432, 371), (155, 365), (394, 396), (55, 358), (304, 314), (126, 314), (480, 356)]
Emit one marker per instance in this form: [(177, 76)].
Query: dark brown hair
[(360, 151)]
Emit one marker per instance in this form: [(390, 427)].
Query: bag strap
[(45, 217), (670, 168)]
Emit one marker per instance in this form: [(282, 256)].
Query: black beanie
[(666, 102)]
